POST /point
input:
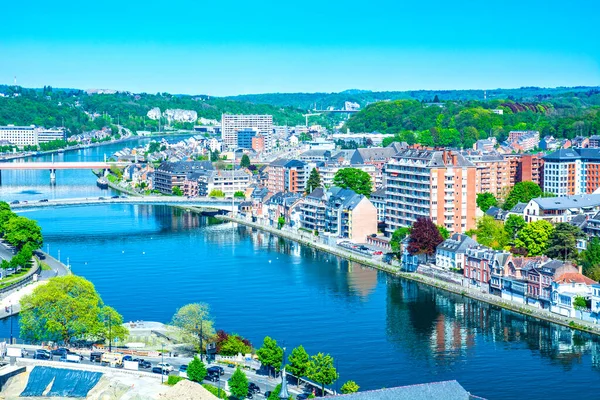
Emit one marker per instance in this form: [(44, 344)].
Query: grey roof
[(457, 243), (447, 390), (397, 146), (433, 158), (519, 208), (579, 221), (181, 167), (317, 193), (361, 156), (564, 203), (379, 194), (282, 162), (316, 153), (574, 154)]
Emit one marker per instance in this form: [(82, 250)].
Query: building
[(565, 288), (450, 254), (19, 136), (258, 143), (572, 171), (378, 200), (245, 136), (560, 209), (50, 135), (485, 145), (375, 156), (593, 141), (229, 182), (327, 172), (447, 390), (287, 176), (173, 174), (539, 281), (339, 212), (525, 167), (492, 172), (480, 263), (231, 124), (436, 184)]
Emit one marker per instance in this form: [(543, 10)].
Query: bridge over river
[(200, 202), (53, 166)]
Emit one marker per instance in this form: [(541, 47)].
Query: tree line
[(21, 232)]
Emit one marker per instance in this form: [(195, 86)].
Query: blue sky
[(228, 47)]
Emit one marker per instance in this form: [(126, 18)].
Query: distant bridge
[(201, 202), (338, 111), (53, 166)]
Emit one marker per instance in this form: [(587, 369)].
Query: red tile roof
[(574, 277)]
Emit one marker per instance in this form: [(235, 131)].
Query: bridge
[(201, 202), (337, 111), (53, 166)]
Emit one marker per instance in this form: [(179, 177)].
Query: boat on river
[(102, 182)]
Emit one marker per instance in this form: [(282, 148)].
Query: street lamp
[(162, 367), (200, 334), (109, 332), (11, 322)]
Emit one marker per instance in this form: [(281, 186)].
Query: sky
[(228, 47)]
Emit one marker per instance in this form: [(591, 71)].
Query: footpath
[(308, 239)]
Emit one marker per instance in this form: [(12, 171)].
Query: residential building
[(450, 254), (258, 143), (171, 174), (513, 281), (378, 200), (539, 281), (287, 176), (436, 184), (485, 145), (525, 167), (561, 209), (594, 141), (50, 135), (565, 288), (231, 124), (480, 263), (19, 136), (572, 171), (245, 136), (339, 212), (582, 141), (514, 136), (492, 172), (327, 172)]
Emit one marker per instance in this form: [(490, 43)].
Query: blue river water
[(147, 261)]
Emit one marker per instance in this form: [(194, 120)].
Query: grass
[(13, 278), (44, 266)]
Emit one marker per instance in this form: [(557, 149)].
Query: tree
[(513, 224), (397, 238), (314, 181), (299, 362), (196, 370), (485, 201), (4, 206), (216, 193), (355, 179), (191, 321), (270, 354), (238, 384), (579, 302), (20, 230), (112, 325), (177, 191), (81, 313), (444, 232), (522, 192), (534, 237), (214, 156), (245, 161), (280, 222), (234, 345), (239, 195), (424, 237), (562, 243), (275, 393), (321, 370), (350, 387), (590, 259), (490, 233)]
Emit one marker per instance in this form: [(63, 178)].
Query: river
[(147, 261)]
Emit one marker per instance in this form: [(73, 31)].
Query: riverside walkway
[(308, 239)]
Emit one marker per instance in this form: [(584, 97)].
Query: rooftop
[(447, 390), (564, 203)]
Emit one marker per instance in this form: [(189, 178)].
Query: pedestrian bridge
[(201, 202)]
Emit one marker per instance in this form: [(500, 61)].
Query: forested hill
[(308, 101), (51, 107), (460, 124)]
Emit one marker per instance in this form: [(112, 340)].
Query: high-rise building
[(525, 167), (493, 172), (287, 176), (572, 171), (436, 184), (21, 136), (231, 124), (50, 135)]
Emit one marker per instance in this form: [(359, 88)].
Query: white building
[(19, 135), (566, 288), (232, 123), (450, 254), (50, 135)]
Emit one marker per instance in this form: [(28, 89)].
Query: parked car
[(159, 370), (101, 198), (43, 201), (114, 197), (183, 368), (127, 358), (96, 356), (42, 355), (267, 394), (14, 202), (61, 351), (211, 377), (216, 370), (253, 387), (250, 394), (144, 364), (166, 366)]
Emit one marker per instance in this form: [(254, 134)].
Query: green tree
[(397, 238), (238, 384), (579, 302), (196, 370), (522, 192), (4, 206), (350, 387), (353, 178), (485, 201), (81, 311), (321, 370), (270, 354), (234, 345), (534, 237), (490, 233), (239, 195), (275, 393), (245, 161), (216, 193), (444, 232), (111, 327), (314, 181), (299, 362), (19, 231), (280, 222), (214, 156), (513, 224), (177, 191), (591, 259), (562, 243), (191, 321)]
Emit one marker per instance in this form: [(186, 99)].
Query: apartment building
[(572, 171), (327, 173), (50, 135), (171, 174), (492, 172), (525, 167), (436, 184), (231, 124), (287, 176), (19, 136)]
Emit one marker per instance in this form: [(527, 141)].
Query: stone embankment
[(308, 239)]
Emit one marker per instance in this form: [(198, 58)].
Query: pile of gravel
[(187, 390)]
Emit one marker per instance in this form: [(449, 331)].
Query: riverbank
[(307, 239)]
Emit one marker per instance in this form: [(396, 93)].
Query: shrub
[(220, 394), (173, 379)]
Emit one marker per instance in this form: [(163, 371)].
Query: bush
[(173, 379), (220, 394)]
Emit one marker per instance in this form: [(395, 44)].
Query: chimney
[(580, 268)]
